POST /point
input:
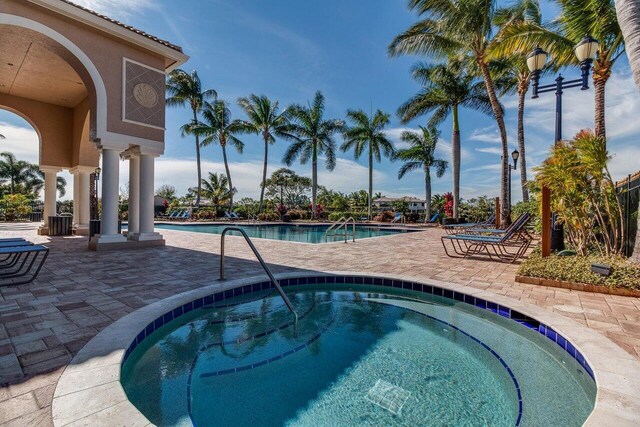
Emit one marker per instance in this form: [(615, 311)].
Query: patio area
[(80, 292)]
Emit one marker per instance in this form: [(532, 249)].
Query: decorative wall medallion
[(145, 95)]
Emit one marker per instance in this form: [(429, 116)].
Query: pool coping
[(89, 391)]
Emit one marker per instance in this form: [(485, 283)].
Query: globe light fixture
[(515, 155)]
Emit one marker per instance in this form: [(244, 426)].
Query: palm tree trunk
[(628, 12), (264, 173), (370, 178), (523, 87), (195, 121), (497, 112), (226, 168), (455, 157), (599, 83), (427, 191), (314, 180)]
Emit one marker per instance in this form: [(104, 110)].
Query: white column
[(134, 195), (110, 188), (147, 191), (81, 198), (50, 195)]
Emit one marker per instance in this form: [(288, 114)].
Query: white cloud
[(394, 135), (487, 134), (490, 150), (21, 141), (116, 8)]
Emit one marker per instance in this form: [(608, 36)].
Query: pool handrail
[(342, 222), (274, 281)]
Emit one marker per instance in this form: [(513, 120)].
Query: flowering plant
[(448, 205)]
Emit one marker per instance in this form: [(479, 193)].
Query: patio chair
[(12, 239), (517, 227), (397, 218), (235, 216), (20, 262), (458, 228), (228, 216), (178, 213), (432, 220), (506, 245)]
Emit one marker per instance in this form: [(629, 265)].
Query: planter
[(577, 286)]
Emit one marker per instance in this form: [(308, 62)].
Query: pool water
[(291, 233), (355, 357)]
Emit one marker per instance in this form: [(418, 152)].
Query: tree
[(184, 89), (217, 127), (312, 137), (628, 12), (266, 120), (295, 188), (446, 88), (367, 133), (17, 172), (421, 155), (36, 183), (166, 191), (462, 28), (577, 18), (514, 73), (216, 189)]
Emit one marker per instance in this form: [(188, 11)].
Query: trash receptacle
[(60, 225)]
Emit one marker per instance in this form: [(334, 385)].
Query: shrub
[(205, 214), (297, 214), (269, 216), (385, 216), (578, 269), (16, 207)]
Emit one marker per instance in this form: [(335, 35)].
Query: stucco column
[(81, 202), (147, 191), (134, 196), (50, 195), (110, 188)]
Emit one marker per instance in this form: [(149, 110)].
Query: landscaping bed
[(574, 272)]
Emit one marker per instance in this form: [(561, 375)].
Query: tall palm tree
[(217, 127), (216, 189), (17, 172), (515, 75), (446, 88), (312, 137), (577, 18), (628, 12), (36, 183), (367, 133), (266, 120), (462, 28), (184, 89), (421, 155)]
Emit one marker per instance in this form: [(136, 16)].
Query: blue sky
[(288, 49)]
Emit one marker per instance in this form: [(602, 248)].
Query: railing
[(262, 263), (253, 219), (339, 224)]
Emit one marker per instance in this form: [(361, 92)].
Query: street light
[(514, 155), (585, 51)]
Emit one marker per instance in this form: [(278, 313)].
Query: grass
[(578, 269)]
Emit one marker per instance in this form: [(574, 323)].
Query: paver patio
[(79, 292)]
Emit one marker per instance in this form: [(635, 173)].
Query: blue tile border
[(480, 303)]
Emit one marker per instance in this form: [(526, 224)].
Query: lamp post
[(515, 155), (94, 194), (585, 51)]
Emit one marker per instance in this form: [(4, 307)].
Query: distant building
[(386, 203)]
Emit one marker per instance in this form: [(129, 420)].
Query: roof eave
[(173, 57)]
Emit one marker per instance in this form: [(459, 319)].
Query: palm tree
[(421, 155), (462, 28), (577, 18), (36, 183), (216, 189), (186, 89), (218, 128), (367, 133), (446, 88), (265, 119), (628, 12), (17, 172), (312, 137), (515, 75)]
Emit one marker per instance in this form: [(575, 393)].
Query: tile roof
[(128, 27)]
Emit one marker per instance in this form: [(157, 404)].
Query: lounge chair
[(517, 227), (12, 239), (432, 220), (172, 213), (19, 263), (231, 216), (458, 228), (235, 216), (398, 217), (502, 245)]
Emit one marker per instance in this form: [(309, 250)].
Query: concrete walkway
[(79, 292)]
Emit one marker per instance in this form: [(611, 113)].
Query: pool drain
[(388, 396)]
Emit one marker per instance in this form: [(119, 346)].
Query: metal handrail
[(342, 222), (262, 263)]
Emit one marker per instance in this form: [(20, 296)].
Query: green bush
[(205, 214), (16, 207), (385, 216), (578, 269), (334, 216), (532, 207), (269, 216), (297, 214)]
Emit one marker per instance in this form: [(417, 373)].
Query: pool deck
[(80, 292)]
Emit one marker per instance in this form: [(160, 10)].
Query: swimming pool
[(290, 232), (365, 351)]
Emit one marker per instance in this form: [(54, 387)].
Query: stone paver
[(79, 292)]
